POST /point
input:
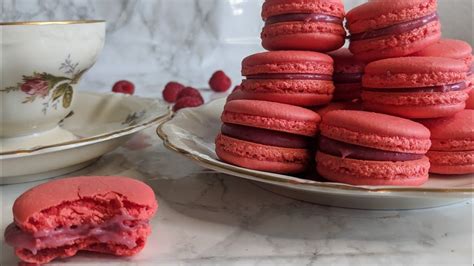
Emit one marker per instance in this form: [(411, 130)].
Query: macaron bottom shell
[(372, 173), (312, 41), (262, 157), (415, 112), (451, 162)]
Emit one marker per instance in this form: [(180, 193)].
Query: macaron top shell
[(279, 7), (454, 133), (380, 14), (376, 130), (450, 48), (288, 62), (345, 62), (61, 191), (271, 116), (412, 72)]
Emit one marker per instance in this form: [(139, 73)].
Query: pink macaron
[(334, 106), (267, 136), (293, 77), (347, 76), (104, 214), (386, 29), (312, 25), (415, 87), (363, 148), (452, 151)]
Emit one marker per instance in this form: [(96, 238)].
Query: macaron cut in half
[(452, 151), (293, 77), (386, 29), (347, 76), (267, 136), (104, 214), (312, 25), (415, 87), (363, 148)]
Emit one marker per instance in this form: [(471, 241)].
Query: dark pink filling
[(346, 150), (346, 78), (444, 88), (265, 137), (315, 17), (395, 29), (114, 230), (291, 76)]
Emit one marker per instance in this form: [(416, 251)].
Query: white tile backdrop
[(153, 41)]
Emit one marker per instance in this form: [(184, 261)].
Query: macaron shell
[(334, 106), (415, 112), (295, 92), (449, 48), (345, 62), (272, 116), (60, 191), (320, 37), (455, 133), (448, 162), (372, 173), (279, 7), (287, 62), (413, 72), (261, 157), (375, 130), (396, 45), (380, 14)]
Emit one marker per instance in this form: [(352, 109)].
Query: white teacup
[(42, 64)]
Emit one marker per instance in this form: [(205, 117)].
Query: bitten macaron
[(415, 87), (363, 148), (452, 150), (347, 76), (267, 136), (312, 25), (292, 77), (105, 214), (386, 29)]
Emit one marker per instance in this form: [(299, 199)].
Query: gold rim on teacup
[(52, 22)]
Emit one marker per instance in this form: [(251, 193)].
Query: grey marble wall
[(153, 41)]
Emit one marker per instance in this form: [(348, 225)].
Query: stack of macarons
[(377, 95)]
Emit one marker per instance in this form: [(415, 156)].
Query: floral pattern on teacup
[(43, 85)]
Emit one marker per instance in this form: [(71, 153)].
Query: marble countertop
[(207, 218)]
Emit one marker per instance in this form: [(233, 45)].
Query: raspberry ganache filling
[(351, 151), (266, 137), (118, 230), (290, 76), (346, 78), (303, 17), (396, 29), (443, 88)]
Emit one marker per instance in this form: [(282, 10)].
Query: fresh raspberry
[(188, 101), (171, 91), (220, 82), (189, 92), (124, 86)]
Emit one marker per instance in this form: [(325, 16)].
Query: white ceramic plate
[(191, 132), (102, 122)]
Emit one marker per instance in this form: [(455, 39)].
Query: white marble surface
[(207, 218)]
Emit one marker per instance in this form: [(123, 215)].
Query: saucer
[(100, 123), (191, 132)]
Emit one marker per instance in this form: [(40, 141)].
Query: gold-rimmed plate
[(101, 123), (191, 132)]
